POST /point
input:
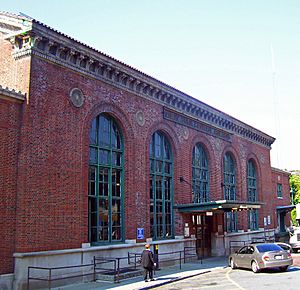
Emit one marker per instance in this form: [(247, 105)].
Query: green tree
[(295, 194)]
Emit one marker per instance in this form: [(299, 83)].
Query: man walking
[(148, 263)]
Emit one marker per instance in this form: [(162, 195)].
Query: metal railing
[(235, 245), (180, 256), (189, 253), (52, 275), (120, 265), (105, 266)]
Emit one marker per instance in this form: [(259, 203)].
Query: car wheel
[(283, 268), (232, 264), (254, 267)]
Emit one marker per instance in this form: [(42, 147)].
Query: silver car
[(260, 256), (285, 246)]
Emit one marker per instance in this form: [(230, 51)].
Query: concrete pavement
[(164, 276)]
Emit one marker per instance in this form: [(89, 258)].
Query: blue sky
[(216, 51)]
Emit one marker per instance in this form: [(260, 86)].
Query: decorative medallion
[(76, 97), (140, 118)]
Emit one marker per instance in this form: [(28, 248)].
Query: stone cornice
[(11, 94), (53, 46)]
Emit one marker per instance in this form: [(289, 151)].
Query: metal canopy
[(223, 205), (285, 208)]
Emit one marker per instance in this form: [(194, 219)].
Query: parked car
[(258, 256), (285, 246)]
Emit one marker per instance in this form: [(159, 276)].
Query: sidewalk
[(163, 276)]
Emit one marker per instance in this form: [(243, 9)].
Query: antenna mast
[(275, 106)]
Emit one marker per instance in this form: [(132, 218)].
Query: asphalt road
[(228, 279)]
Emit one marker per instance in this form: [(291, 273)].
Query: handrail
[(100, 265), (49, 278)]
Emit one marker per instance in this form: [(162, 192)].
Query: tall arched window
[(229, 178), (229, 188), (252, 194), (200, 174), (105, 181), (161, 187)]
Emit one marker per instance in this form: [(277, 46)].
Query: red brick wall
[(9, 136), (14, 74), (279, 176), (52, 209), (53, 168)]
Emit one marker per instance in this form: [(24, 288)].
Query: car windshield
[(268, 247)]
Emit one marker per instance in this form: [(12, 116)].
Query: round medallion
[(140, 118), (76, 97)]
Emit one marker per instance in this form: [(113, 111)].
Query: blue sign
[(140, 233)]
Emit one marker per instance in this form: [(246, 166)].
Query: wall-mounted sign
[(140, 235), (186, 230), (196, 124)]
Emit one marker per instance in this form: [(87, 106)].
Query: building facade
[(97, 158)]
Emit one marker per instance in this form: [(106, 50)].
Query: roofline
[(12, 94), (274, 169), (219, 205), (213, 116)]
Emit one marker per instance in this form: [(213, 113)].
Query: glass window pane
[(116, 158), (116, 233), (105, 180), (93, 155), (229, 178), (103, 233), (115, 137), (157, 145), (161, 180), (93, 205), (104, 156), (167, 167), (167, 154), (94, 234), (93, 132), (152, 166), (200, 175), (92, 180), (151, 188), (104, 131), (94, 218), (159, 166)]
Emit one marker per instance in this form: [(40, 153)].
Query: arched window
[(161, 187), (251, 180), (200, 174), (252, 194), (106, 181), (229, 178), (229, 189)]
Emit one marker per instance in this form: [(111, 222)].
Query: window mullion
[(163, 201)]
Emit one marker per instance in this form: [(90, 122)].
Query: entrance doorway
[(203, 227)]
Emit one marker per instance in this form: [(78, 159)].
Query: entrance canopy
[(223, 205), (285, 208)]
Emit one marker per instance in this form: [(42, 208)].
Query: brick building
[(97, 157)]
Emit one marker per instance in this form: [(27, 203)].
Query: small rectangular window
[(279, 190)]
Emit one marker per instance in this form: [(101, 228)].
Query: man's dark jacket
[(147, 259)]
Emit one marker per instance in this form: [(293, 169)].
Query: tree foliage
[(295, 194)]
